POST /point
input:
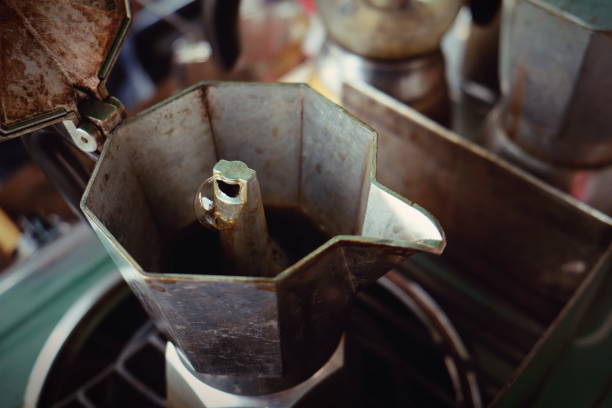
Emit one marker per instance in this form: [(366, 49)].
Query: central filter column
[(230, 202)]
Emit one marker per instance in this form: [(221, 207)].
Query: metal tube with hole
[(230, 202)]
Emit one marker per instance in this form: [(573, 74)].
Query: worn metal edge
[(540, 358), (431, 246), (113, 52), (391, 103), (34, 123)]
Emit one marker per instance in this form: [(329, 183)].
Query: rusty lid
[(54, 53)]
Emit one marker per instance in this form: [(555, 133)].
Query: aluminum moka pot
[(259, 322), (247, 313)]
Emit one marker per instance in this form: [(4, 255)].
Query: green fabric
[(30, 310)]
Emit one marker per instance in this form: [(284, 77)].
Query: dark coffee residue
[(196, 249)]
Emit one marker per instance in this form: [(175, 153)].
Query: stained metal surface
[(309, 154), (416, 81), (382, 370), (393, 45), (590, 185), (388, 29), (552, 119), (525, 258), (52, 54), (555, 64)]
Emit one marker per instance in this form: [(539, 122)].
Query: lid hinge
[(98, 119)]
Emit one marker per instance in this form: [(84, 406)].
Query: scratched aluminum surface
[(388, 29), (510, 237), (48, 50), (252, 334), (555, 64)]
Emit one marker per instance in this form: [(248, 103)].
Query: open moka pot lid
[(53, 56)]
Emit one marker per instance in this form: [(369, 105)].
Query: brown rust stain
[(211, 108), (516, 102), (26, 93), (166, 281), (210, 114), (265, 286), (63, 44), (157, 287), (108, 5), (76, 36)]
